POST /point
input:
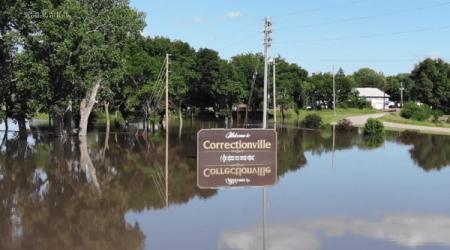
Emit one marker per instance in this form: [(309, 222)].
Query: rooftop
[(371, 92)]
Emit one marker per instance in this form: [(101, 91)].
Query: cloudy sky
[(234, 27), (407, 231)]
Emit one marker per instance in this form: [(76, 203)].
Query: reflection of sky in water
[(30, 140), (405, 230), (372, 199)]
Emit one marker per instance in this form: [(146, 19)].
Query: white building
[(373, 95)]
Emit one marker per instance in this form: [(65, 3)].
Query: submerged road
[(362, 119)]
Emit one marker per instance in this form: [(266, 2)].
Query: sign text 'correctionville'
[(236, 158)]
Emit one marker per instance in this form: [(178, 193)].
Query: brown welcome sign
[(236, 158)]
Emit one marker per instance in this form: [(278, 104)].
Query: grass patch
[(397, 118), (41, 116), (326, 114), (101, 118)]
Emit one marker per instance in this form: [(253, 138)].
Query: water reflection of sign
[(236, 158)]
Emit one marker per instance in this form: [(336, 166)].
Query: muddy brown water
[(107, 191)]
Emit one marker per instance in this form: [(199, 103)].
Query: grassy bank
[(326, 114), (41, 116), (99, 117), (396, 118)]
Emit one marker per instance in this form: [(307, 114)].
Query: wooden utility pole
[(267, 40), (384, 95), (334, 95), (274, 99), (167, 131)]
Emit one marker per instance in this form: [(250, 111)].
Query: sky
[(235, 27)]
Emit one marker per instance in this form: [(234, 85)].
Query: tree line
[(68, 57)]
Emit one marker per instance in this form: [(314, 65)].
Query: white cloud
[(431, 54), (409, 230), (435, 54), (199, 20), (232, 16)]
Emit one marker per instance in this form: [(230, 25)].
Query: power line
[(330, 7), (241, 41), (215, 40), (356, 37), (256, 48), (351, 60), (366, 17), (158, 82)]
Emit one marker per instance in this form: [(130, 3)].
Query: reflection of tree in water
[(143, 175), (51, 202), (290, 152), (293, 143), (371, 142), (432, 153)]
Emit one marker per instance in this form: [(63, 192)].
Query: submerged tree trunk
[(181, 116), (58, 122), (86, 108), (106, 103), (6, 118), (22, 127), (105, 147), (282, 114), (68, 119)]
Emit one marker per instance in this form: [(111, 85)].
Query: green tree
[(228, 90), (19, 100), (250, 70), (366, 77), (81, 50), (345, 85), (432, 83)]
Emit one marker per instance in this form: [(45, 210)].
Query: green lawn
[(41, 117), (100, 119), (396, 118), (327, 114)]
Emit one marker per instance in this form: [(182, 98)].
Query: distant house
[(374, 95)]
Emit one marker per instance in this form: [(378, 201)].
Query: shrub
[(155, 119), (411, 134), (374, 127), (436, 114), (326, 127), (313, 121), (355, 101), (413, 111), (225, 112), (345, 125)]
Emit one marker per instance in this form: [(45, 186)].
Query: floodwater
[(108, 191)]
